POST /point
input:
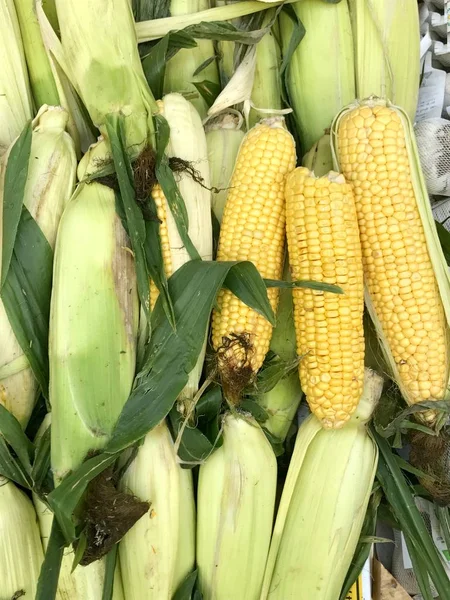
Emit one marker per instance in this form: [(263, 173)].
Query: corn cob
[(159, 551), (236, 496), (21, 553), (50, 182), (102, 58), (321, 74), (181, 69), (405, 273), (323, 505), (223, 137), (252, 229), (41, 78), (187, 142), (323, 241), (16, 107), (387, 48)]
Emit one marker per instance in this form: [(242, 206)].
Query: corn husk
[(21, 552), (323, 505), (235, 503), (321, 72), (281, 402), (224, 136), (41, 78), (159, 550), (319, 159), (387, 50), (181, 69), (437, 257), (188, 142), (93, 327), (16, 107), (102, 60), (50, 183)]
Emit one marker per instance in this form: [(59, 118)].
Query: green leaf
[(147, 10), (13, 194), (194, 446), (173, 354), (26, 295), (205, 64), (169, 187), (11, 468), (311, 285), (298, 34), (255, 409), (416, 534), (208, 90), (12, 432), (400, 421), (41, 474), (110, 568), (154, 65), (48, 578), (276, 443), (133, 214), (186, 589), (273, 373), (221, 31), (66, 497), (209, 404)]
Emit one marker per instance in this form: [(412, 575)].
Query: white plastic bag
[(433, 141)]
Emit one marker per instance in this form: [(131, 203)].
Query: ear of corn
[(406, 277), (323, 505), (21, 552), (93, 327), (321, 72), (50, 182), (281, 402), (102, 56), (181, 69), (223, 137), (159, 551), (252, 229), (41, 77), (387, 47), (187, 142), (236, 496), (324, 245), (15, 96), (266, 91)]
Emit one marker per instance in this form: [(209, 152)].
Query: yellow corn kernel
[(252, 229), (375, 151), (323, 242), (161, 211)]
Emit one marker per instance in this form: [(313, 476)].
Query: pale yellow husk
[(159, 550), (323, 506), (50, 183), (319, 159), (224, 136), (16, 106), (235, 504), (21, 553)]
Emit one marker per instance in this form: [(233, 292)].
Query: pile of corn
[(350, 230)]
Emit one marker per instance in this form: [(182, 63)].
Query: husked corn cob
[(323, 240), (375, 146), (252, 229), (161, 212)]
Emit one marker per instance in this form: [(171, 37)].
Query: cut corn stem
[(235, 503), (324, 245), (406, 276), (252, 229), (323, 505)]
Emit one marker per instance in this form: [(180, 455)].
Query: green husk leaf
[(194, 447), (147, 10), (208, 406), (110, 568), (79, 551), (135, 220), (400, 422), (276, 443), (366, 539), (204, 65), (312, 285), (14, 436), (48, 578), (275, 371), (41, 473), (186, 589), (208, 90), (408, 468), (26, 295), (169, 187), (237, 281), (224, 31), (11, 468), (255, 409), (13, 193), (416, 534), (420, 571)]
